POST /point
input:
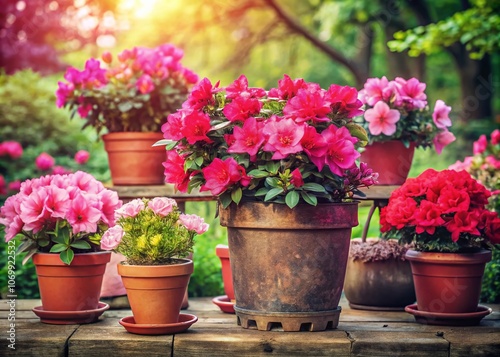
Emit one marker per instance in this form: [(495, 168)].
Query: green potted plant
[(444, 214), (283, 166), (130, 98), (154, 237), (398, 119), (59, 219)]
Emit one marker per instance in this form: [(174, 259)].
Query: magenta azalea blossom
[(344, 101), (382, 119), (241, 109), (196, 127), (81, 157), (201, 95), (340, 154), (411, 93), (172, 129), (283, 137), (239, 89), (248, 139), (479, 146), (44, 161), (11, 148), (308, 105), (174, 171), (221, 174), (443, 139), (145, 84)]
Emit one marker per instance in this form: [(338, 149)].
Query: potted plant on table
[(444, 214), (130, 98), (59, 219), (398, 119), (283, 166), (154, 237)]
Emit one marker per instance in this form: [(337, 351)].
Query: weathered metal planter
[(288, 265)]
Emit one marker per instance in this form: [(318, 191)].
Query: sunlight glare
[(139, 8)]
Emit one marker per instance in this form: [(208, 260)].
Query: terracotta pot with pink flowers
[(60, 219), (129, 98), (155, 238), (444, 214), (398, 119)]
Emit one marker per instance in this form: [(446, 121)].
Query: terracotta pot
[(155, 292), (133, 160), (378, 284), (222, 252), (73, 287), (448, 282), (391, 159), (288, 265)]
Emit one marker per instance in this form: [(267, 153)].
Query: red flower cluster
[(294, 138), (442, 211)]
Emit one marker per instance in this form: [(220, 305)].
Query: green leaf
[(58, 239), (125, 106), (199, 160), (261, 192), (236, 195), (314, 187), (80, 244), (308, 198), (272, 181), (164, 142), (43, 242), (67, 256), (292, 198), (225, 199), (273, 166), (58, 248), (273, 193), (258, 173)]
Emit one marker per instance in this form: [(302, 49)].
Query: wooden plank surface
[(360, 333)]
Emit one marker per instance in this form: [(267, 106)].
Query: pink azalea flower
[(33, 212), (11, 148), (284, 137), (248, 139), (57, 202), (189, 75), (495, 137), (201, 95), (239, 89), (64, 91), (81, 216), (3, 186), (174, 171), (297, 180), (59, 170), (344, 101), (377, 89), (130, 209), (443, 139), (196, 127), (109, 203), (82, 156), (145, 84), (308, 105), (84, 110), (382, 119), (162, 206), (340, 154), (107, 57), (44, 161), (459, 165), (411, 93), (112, 238), (441, 115), (240, 109), (314, 145), (480, 145), (287, 88), (86, 182), (172, 129), (13, 186), (221, 174), (193, 223)]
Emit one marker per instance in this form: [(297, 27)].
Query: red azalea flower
[(401, 212), (287, 88), (201, 95), (314, 145), (220, 175), (344, 101), (196, 126), (297, 180), (248, 139), (239, 89), (172, 129), (174, 171), (453, 200), (463, 222), (240, 109), (428, 217), (308, 105)]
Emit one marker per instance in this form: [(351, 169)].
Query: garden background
[(451, 45)]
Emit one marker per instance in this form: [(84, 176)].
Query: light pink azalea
[(193, 223), (441, 114), (283, 137), (112, 238), (411, 93), (162, 206), (130, 209), (443, 139), (81, 216), (480, 145), (382, 119)]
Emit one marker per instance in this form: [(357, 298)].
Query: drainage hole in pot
[(252, 324), (274, 326), (306, 326)]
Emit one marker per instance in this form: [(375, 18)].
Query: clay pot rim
[(185, 267), (482, 256), (131, 134), (54, 259)]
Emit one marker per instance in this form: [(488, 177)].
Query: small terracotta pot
[(391, 159), (222, 252), (448, 282), (73, 287), (133, 160), (155, 292)]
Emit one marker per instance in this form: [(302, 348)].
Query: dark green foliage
[(490, 291)]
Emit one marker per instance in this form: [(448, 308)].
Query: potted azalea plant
[(129, 97), (154, 237), (398, 119), (283, 164), (59, 219), (444, 214)]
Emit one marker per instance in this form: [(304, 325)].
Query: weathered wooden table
[(359, 333)]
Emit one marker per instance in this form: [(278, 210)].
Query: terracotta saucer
[(70, 317), (449, 319), (185, 321), (224, 304)]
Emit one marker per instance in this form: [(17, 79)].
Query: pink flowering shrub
[(398, 110), (134, 94), (291, 143), (484, 165), (59, 214), (152, 232), (441, 211)]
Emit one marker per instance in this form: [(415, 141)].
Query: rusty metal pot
[(288, 265)]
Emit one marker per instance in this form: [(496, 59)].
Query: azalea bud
[(44, 161), (107, 57)]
